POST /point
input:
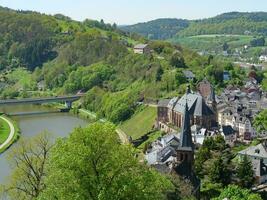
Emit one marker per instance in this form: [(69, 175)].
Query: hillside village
[(187, 121), (93, 110)]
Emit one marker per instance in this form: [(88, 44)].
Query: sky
[(126, 12)]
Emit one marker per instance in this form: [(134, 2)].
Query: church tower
[(185, 151), (211, 100)]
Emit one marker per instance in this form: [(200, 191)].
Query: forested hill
[(158, 29), (43, 55), (30, 39), (240, 23)]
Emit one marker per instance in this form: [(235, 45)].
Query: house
[(229, 134), (163, 150), (190, 76), (240, 123), (263, 58), (200, 134), (258, 156), (226, 76), (41, 85), (202, 113), (141, 49)]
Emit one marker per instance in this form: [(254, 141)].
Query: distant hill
[(158, 29), (241, 23), (229, 23)]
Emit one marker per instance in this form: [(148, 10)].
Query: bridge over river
[(68, 100)]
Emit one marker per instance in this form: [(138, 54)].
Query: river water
[(59, 124)]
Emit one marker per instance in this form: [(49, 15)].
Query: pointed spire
[(188, 91), (212, 96), (186, 136)]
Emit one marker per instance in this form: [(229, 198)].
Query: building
[(263, 58), (258, 156), (190, 76), (163, 151), (204, 88), (226, 76), (141, 49), (239, 122), (172, 155), (229, 134), (170, 112)]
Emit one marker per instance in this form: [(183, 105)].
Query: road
[(11, 134), (41, 100)]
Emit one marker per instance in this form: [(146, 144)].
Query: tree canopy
[(92, 164)]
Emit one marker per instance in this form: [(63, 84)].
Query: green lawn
[(4, 131), (141, 123)]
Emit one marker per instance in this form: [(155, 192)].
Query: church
[(202, 111), (171, 154)]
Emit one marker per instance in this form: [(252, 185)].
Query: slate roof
[(186, 142), (255, 151), (228, 130), (163, 150), (188, 74), (196, 105), (163, 102)]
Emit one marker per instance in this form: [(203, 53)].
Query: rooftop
[(140, 46), (256, 151)]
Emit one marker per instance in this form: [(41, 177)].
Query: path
[(123, 136), (11, 134)]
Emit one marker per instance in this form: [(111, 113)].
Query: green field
[(212, 42), (4, 131), (141, 123)]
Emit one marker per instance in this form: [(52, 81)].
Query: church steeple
[(186, 136), (188, 90), (212, 96)]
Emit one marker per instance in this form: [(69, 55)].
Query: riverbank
[(9, 132)]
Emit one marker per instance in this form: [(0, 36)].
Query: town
[(137, 100)]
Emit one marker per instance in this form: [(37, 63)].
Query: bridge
[(68, 100)]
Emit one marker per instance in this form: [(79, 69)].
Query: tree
[(159, 73), (92, 164), (28, 159), (260, 122), (257, 42), (180, 78), (219, 172), (245, 172), (201, 156), (177, 61), (236, 193)]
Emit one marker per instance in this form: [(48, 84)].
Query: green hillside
[(43, 55), (234, 23), (141, 123), (159, 29)]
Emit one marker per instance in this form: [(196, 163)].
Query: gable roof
[(196, 105), (163, 102), (140, 46), (188, 74), (227, 130), (255, 151)]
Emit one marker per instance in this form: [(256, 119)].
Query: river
[(59, 124)]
